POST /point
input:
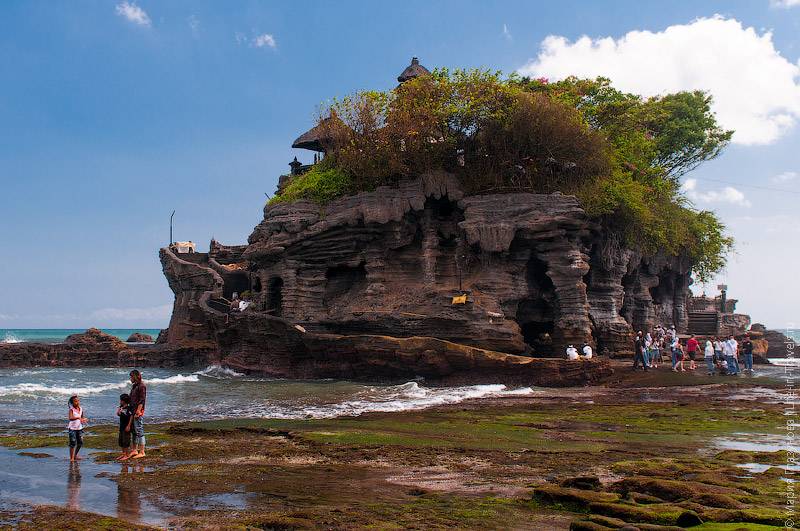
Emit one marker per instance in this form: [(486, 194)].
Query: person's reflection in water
[(129, 506), (74, 486)]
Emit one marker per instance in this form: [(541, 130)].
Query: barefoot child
[(75, 427), (125, 415)]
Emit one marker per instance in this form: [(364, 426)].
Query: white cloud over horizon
[(153, 316), (507, 33), (756, 90), (728, 194)]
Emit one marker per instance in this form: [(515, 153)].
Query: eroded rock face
[(538, 275)]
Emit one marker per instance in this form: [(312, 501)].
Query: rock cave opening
[(275, 296), (536, 313), (256, 287), (342, 281), (235, 282)]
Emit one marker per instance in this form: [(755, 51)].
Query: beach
[(512, 459)]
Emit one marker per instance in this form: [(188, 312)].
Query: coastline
[(488, 463)]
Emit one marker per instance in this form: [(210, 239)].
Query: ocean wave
[(411, 396), (405, 397), (10, 338), (219, 372), (34, 389)]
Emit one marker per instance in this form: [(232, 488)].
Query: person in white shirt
[(572, 353), (587, 352), (708, 355), (732, 355)]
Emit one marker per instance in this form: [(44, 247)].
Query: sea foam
[(33, 389)]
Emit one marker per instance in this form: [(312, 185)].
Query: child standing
[(125, 415), (75, 427)]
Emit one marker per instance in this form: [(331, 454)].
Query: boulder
[(138, 337)]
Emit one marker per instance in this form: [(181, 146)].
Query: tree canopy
[(620, 153)]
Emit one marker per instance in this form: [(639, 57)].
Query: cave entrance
[(536, 312), (275, 296), (257, 285), (342, 281)]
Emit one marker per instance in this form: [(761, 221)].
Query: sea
[(38, 396)]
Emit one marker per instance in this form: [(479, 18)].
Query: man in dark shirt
[(638, 352), (138, 398), (747, 349)]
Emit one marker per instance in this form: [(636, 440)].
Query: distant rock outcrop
[(138, 337), (95, 348), (779, 344)]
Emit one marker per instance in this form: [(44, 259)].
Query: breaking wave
[(410, 396), (10, 338), (33, 389), (217, 371)]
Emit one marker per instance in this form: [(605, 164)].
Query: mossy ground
[(486, 464)]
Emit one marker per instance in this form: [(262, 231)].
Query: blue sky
[(113, 114)]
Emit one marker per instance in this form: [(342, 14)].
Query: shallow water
[(83, 485), (39, 396)]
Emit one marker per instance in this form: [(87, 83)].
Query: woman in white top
[(75, 427), (708, 354)]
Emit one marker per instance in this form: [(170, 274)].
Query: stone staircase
[(703, 323)]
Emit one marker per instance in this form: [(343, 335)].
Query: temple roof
[(316, 138), (413, 70)]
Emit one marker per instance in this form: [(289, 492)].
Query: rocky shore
[(684, 450)]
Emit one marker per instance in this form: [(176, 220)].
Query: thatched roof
[(315, 139), (413, 70)]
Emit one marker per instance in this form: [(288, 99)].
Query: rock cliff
[(363, 287)]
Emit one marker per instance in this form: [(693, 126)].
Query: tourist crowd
[(721, 356)]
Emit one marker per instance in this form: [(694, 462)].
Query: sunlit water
[(58, 335)]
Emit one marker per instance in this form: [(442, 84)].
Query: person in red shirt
[(692, 346)]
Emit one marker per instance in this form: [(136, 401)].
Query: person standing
[(675, 350), (747, 350), (75, 427), (735, 353), (708, 355), (138, 397), (638, 352), (729, 351), (692, 346)]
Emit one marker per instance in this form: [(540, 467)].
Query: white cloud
[(133, 13), (507, 33), (194, 24), (756, 90), (728, 194), (265, 39), (240, 37), (785, 177), (784, 3)]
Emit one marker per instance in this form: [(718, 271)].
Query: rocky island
[(423, 273)]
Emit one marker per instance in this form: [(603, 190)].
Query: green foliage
[(321, 184), (621, 154)]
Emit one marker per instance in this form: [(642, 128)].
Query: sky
[(113, 114)]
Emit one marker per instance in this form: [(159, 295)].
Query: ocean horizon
[(58, 335)]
